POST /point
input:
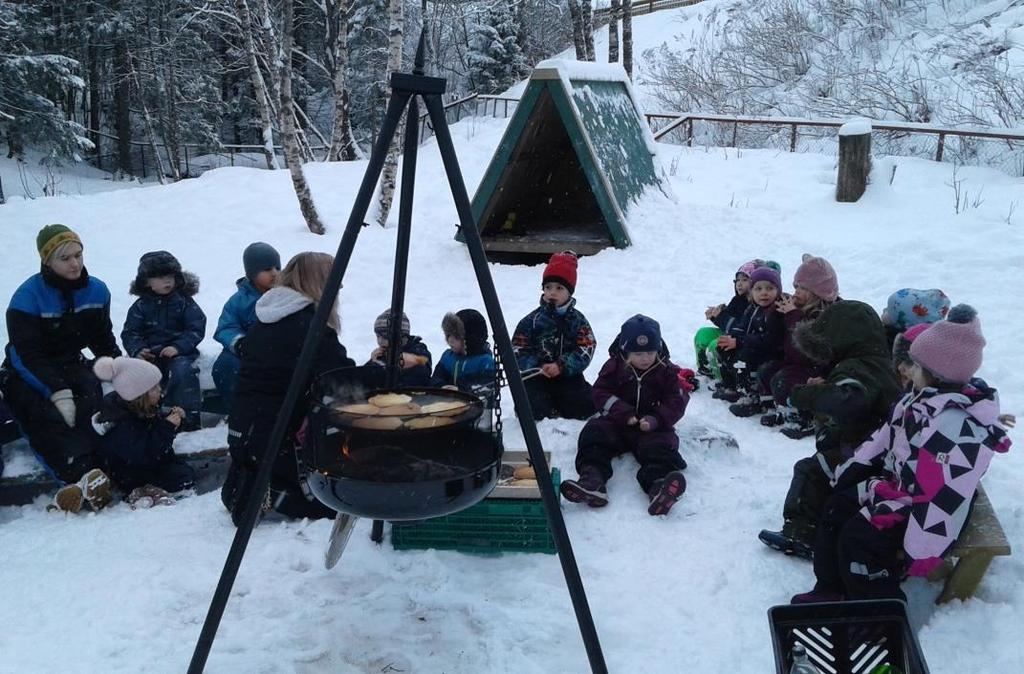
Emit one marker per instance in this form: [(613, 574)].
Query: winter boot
[(777, 415), (665, 492), (589, 488), (751, 405), (727, 394), (96, 489), (781, 541), (149, 496), (798, 426), (68, 499)]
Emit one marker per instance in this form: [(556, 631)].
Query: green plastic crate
[(492, 526)]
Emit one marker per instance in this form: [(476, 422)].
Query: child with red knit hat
[(554, 344), (933, 452)]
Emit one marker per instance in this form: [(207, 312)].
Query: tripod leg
[(402, 244), (570, 569), (297, 384)]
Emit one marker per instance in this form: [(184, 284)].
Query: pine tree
[(31, 84), (495, 59)]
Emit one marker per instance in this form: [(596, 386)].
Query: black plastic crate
[(852, 637)]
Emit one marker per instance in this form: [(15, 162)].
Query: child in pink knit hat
[(930, 456), (135, 437)]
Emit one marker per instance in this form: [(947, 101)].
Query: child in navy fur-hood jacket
[(165, 325), (639, 400)]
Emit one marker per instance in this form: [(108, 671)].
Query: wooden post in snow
[(854, 159)]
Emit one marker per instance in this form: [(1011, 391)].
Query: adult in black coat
[(269, 357), (46, 381)]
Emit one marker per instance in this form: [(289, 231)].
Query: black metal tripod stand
[(405, 88)]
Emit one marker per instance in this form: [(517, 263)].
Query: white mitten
[(64, 401)]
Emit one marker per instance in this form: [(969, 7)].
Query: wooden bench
[(981, 540), (211, 468)]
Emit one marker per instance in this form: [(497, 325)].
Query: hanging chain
[(499, 381)]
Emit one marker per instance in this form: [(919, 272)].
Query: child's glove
[(64, 401), (648, 423), (687, 380)]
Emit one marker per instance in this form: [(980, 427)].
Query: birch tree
[(291, 143), (260, 92), (389, 175), (343, 145)]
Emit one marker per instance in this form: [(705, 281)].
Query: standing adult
[(272, 346), (47, 381)]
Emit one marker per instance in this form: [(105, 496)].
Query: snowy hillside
[(126, 591), (952, 62)]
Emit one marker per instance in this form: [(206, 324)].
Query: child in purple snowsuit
[(815, 288), (639, 401), (933, 452)]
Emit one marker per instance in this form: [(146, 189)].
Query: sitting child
[(908, 307), (467, 363), (723, 316), (815, 288), (135, 440), (553, 345), (415, 360), (262, 264), (640, 401), (754, 340), (164, 327), (849, 402), (932, 454)]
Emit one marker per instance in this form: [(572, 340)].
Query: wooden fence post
[(941, 148), (792, 139), (854, 160), (689, 132)]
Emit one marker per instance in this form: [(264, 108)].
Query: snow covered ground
[(127, 591)]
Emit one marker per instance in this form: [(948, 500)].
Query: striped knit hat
[(51, 237)]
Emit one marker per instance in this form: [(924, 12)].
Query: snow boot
[(798, 426), (665, 492), (816, 597), (96, 489), (751, 405), (68, 499), (589, 488), (149, 496), (779, 540), (727, 394)]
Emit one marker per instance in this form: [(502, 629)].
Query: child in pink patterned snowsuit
[(933, 452)]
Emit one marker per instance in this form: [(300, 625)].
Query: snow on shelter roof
[(587, 71)]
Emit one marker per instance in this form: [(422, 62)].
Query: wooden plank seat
[(211, 467), (211, 464), (982, 540)]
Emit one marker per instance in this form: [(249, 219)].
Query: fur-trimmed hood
[(185, 282), (846, 329)]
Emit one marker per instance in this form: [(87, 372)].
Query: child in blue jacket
[(135, 439), (468, 363), (164, 327), (262, 265)]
